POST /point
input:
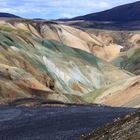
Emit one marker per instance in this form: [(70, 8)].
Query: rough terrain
[(54, 123), (124, 128)]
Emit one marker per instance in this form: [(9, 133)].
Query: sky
[(54, 9)]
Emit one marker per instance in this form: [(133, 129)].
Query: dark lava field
[(54, 123)]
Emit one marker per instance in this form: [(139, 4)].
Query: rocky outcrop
[(124, 128)]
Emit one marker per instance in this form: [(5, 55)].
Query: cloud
[(104, 5), (56, 8)]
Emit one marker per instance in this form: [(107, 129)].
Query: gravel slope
[(124, 128)]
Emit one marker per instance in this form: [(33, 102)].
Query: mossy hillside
[(8, 28), (129, 62), (92, 96), (134, 59), (64, 58)]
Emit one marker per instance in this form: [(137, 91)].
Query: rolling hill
[(128, 12), (125, 17), (40, 59), (7, 15)]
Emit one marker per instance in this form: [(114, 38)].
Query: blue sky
[(53, 9)]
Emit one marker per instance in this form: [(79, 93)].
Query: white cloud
[(104, 4), (56, 8)]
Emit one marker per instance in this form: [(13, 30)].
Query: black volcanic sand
[(54, 123)]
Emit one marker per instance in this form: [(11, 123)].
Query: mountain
[(72, 37), (128, 12), (51, 61), (129, 56), (7, 15)]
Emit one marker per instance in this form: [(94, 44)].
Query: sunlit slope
[(69, 36), (129, 57), (124, 93), (51, 67)]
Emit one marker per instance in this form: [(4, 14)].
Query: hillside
[(128, 12), (35, 62), (7, 15), (125, 17), (124, 128), (129, 56)]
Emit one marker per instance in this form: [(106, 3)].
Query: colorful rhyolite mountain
[(55, 62)]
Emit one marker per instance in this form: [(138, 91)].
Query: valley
[(70, 79)]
